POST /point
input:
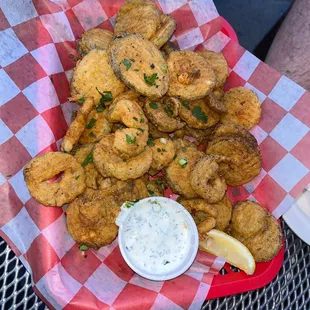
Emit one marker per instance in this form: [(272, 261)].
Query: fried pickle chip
[(206, 180), (92, 39), (215, 101), (224, 212), (201, 135), (110, 164), (182, 142), (191, 77), (164, 113), (138, 16), (165, 31), (243, 107), (249, 218), (244, 160), (93, 77), (219, 64), (45, 167), (177, 174), (163, 153), (167, 48), (96, 127), (155, 133), (140, 65), (198, 115)]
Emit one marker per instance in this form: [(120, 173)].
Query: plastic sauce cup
[(152, 207)]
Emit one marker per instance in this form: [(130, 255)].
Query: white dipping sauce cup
[(191, 252)]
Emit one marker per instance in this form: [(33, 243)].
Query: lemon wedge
[(222, 245)]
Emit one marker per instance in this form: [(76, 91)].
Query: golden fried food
[(44, 167), (155, 133), (138, 16), (165, 31), (201, 135), (243, 107), (96, 127), (243, 159), (249, 218), (206, 180), (140, 65), (94, 77), (198, 115), (83, 154), (181, 143), (224, 212), (110, 164), (94, 39), (168, 48), (130, 141), (191, 77), (219, 64), (180, 133), (177, 174), (129, 95), (163, 153), (156, 187), (164, 113), (215, 101)]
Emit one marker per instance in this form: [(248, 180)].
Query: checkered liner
[(37, 40)]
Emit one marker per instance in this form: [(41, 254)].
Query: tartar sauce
[(155, 235)]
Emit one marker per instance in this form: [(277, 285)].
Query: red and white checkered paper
[(36, 39)]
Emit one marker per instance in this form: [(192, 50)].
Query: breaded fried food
[(243, 107), (249, 218), (197, 114), (163, 153), (96, 127), (167, 48), (180, 133), (130, 141), (94, 39), (224, 212), (45, 167), (165, 31), (206, 180), (140, 65), (177, 174), (110, 164), (138, 16), (204, 214), (219, 64), (155, 133), (93, 77), (156, 187), (191, 77), (201, 135), (181, 143), (164, 113), (215, 101), (243, 159)]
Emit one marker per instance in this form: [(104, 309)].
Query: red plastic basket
[(232, 281)]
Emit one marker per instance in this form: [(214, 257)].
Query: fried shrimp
[(191, 77), (243, 107), (206, 180), (94, 77), (92, 39), (110, 164), (197, 114), (43, 168), (165, 31), (177, 174), (130, 141), (164, 113), (163, 153)]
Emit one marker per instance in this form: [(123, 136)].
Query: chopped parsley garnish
[(158, 150), (131, 140), (129, 204), (142, 120), (89, 159), (91, 134), (77, 177), (136, 70), (106, 96), (150, 141), (132, 60), (164, 68), (166, 262), (135, 118), (151, 192), (91, 123), (153, 105), (126, 63), (185, 104), (150, 79), (152, 66), (199, 114), (161, 150), (183, 162), (81, 100), (101, 107), (161, 183), (140, 129), (83, 247), (169, 111)]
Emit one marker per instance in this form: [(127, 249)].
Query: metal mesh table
[(289, 290)]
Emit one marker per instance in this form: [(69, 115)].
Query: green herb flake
[(169, 111), (129, 204), (166, 262), (150, 79), (153, 105), (158, 150), (152, 66), (89, 159), (140, 129), (81, 100), (83, 247), (150, 141), (136, 70), (91, 123), (135, 118), (106, 96), (91, 134), (132, 60), (186, 105), (142, 120), (77, 177), (124, 160), (131, 140), (183, 162), (164, 68), (101, 107), (199, 114), (126, 63), (151, 192)]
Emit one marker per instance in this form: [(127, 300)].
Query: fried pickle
[(224, 212), (163, 153), (165, 31)]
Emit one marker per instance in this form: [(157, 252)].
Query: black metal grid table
[(289, 290)]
